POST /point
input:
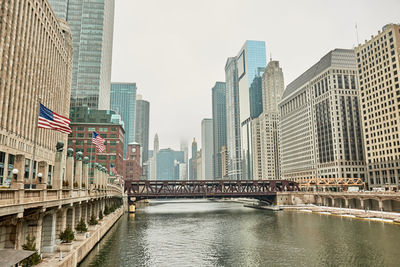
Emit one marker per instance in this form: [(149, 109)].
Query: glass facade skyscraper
[(219, 125), (166, 163), (122, 101), (92, 24), (142, 116), (234, 158), (249, 60)]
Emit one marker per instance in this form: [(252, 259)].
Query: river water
[(207, 233)]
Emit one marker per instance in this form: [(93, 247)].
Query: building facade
[(168, 164), (266, 155), (378, 62), (142, 116), (92, 26), (219, 125), (31, 68), (249, 61), (122, 101), (184, 168), (207, 148), (233, 143), (192, 162), (132, 167), (320, 121), (109, 126)]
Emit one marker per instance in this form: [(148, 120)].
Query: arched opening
[(77, 214), (396, 205), (339, 203), (357, 203), (8, 236)]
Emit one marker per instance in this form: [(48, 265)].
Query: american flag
[(113, 170), (51, 120), (98, 142)]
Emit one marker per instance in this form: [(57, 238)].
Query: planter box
[(80, 236), (65, 247)]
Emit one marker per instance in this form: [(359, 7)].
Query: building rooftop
[(337, 57)]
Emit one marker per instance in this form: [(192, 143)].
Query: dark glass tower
[(219, 125)]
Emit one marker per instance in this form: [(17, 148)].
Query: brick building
[(132, 167), (109, 126)]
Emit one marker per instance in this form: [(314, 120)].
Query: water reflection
[(206, 233)]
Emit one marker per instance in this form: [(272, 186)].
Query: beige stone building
[(35, 61), (378, 61), (266, 158)]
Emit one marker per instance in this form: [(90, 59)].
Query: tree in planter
[(100, 214), (81, 227), (30, 245), (67, 236), (92, 220)]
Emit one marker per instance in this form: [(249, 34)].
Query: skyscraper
[(249, 59), (378, 77), (266, 159), (156, 148), (142, 126), (123, 98), (167, 163), (219, 125), (255, 94), (92, 25), (193, 162), (184, 168), (234, 158), (207, 148), (320, 121)]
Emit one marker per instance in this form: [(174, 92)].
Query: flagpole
[(34, 144)]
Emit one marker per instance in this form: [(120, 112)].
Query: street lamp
[(15, 174), (40, 175)]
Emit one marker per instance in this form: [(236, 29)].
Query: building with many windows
[(142, 117), (233, 143), (109, 126), (249, 60), (168, 164), (265, 134), (378, 62), (122, 101), (320, 121), (132, 168), (219, 125), (92, 26), (207, 149), (31, 68)]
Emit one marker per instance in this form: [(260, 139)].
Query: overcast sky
[(175, 50)]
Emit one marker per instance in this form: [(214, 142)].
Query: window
[(103, 129), (50, 174), (2, 161), (11, 159), (80, 129), (27, 167), (112, 157), (79, 142), (91, 129), (113, 136), (81, 135), (113, 129), (102, 157), (113, 143)]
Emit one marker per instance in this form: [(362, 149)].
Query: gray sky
[(175, 50)]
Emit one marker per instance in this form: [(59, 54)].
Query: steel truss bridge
[(260, 189)]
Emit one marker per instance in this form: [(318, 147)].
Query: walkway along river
[(207, 233)]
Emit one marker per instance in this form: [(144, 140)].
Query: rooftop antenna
[(357, 34)]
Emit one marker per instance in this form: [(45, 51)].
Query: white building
[(207, 149)]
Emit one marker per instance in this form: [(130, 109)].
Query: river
[(208, 233)]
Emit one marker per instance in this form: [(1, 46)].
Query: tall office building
[(249, 61), (378, 62), (123, 98), (207, 148), (142, 115), (153, 162), (255, 94), (233, 143), (219, 125), (320, 121), (92, 25), (168, 164), (31, 68), (266, 154), (184, 168), (193, 162)]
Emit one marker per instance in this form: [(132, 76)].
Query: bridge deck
[(207, 188)]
